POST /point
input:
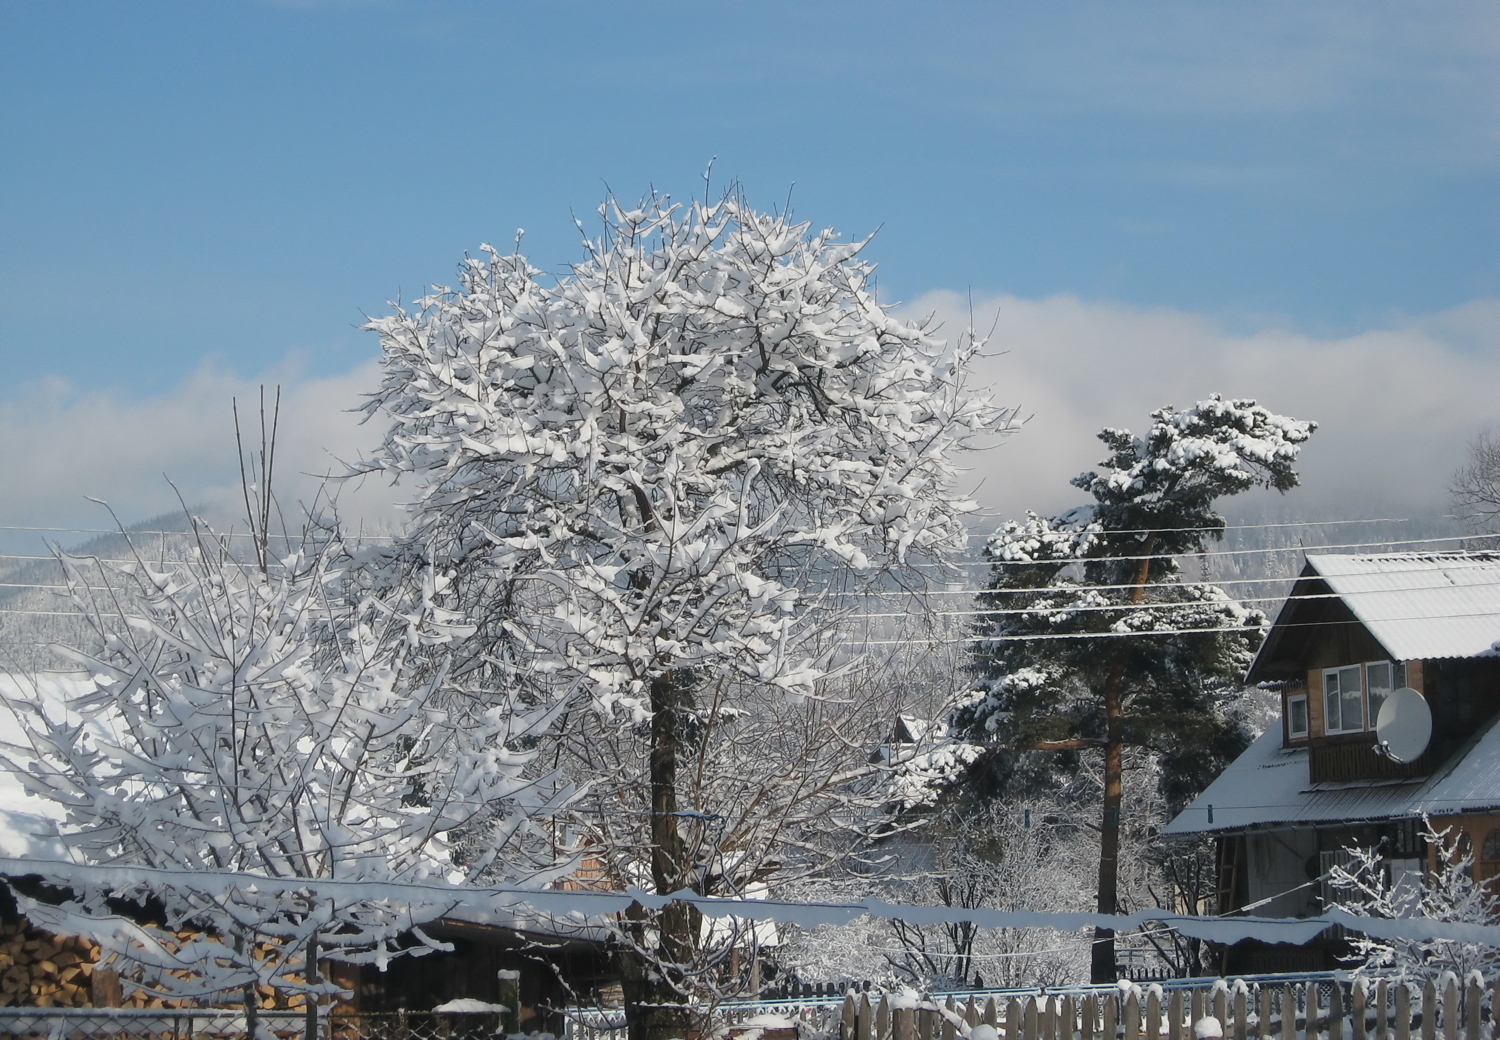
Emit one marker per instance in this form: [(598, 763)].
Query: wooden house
[(1353, 630)]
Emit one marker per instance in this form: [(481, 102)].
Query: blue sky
[(197, 195)]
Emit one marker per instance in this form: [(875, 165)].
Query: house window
[(1353, 695), (1491, 851), (1343, 699), (1381, 677), (1296, 716)]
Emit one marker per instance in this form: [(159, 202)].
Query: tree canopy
[(639, 480), (1092, 640)]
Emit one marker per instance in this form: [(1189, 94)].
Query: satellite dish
[(1404, 726)]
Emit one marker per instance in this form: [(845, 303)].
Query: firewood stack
[(39, 969)]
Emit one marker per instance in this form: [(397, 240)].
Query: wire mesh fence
[(219, 1024)]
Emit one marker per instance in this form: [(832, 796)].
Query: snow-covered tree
[(1476, 485), (246, 735), (1005, 856), (1093, 642), (640, 476), (1364, 886)]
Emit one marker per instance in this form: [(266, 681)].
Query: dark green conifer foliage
[(1160, 654)]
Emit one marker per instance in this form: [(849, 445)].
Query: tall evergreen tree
[(1094, 641)]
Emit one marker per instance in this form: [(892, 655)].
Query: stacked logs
[(39, 969)]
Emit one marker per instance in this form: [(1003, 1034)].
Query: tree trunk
[(653, 979), (252, 1012), (310, 969), (1102, 964), (1102, 958)]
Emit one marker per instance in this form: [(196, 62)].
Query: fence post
[(950, 1031), (1403, 1011), (1013, 1020), (1240, 1003), (1472, 999), (1335, 1012), (1288, 1012), (903, 1023), (1132, 1015), (864, 1018), (847, 1018), (1153, 1015), (1221, 1005), (1069, 1019), (1029, 1025), (971, 1015), (1382, 1020), (1263, 1013), (1111, 1015), (883, 1018), (1357, 992), (1429, 1011), (990, 1016), (1450, 1009), (1174, 1015), (1090, 1016)]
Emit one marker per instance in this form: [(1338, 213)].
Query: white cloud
[(1396, 406), (62, 444)]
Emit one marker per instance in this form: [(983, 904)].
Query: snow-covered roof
[(1268, 787), (1420, 605)]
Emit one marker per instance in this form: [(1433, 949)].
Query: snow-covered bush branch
[(1365, 886), (279, 724)]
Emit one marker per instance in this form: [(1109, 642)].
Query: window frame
[(1358, 669), (1306, 731), (1396, 672)]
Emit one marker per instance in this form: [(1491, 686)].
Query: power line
[(1305, 549), (1061, 589), (1217, 552), (1223, 630), (1142, 530), (1065, 609), (1009, 638), (1270, 526)]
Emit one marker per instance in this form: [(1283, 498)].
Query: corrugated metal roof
[(1471, 781), (1268, 787), (1421, 605)]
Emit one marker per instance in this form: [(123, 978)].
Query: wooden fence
[(1450, 1009)]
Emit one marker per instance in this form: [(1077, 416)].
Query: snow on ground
[(28, 825)]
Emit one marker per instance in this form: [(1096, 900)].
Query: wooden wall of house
[(1481, 836)]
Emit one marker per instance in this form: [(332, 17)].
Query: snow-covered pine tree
[(245, 736), (641, 477), (1096, 643)]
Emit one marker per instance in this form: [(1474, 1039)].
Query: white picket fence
[(1362, 1009)]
